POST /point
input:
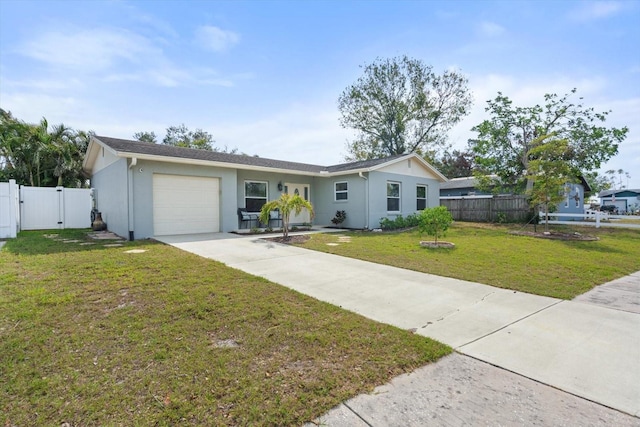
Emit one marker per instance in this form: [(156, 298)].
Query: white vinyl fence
[(592, 218), (43, 208)]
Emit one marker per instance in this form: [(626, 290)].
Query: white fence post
[(9, 209), (597, 219)]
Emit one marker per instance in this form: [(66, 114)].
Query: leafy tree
[(549, 171), (455, 164), (504, 142), (400, 105), (286, 204), (37, 155), (435, 221), (597, 182), (181, 136), (146, 137)]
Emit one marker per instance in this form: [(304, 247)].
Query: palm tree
[(286, 204)]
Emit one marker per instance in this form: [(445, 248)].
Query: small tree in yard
[(435, 221), (286, 204), (550, 173)]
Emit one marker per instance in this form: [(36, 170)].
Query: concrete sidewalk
[(587, 350)]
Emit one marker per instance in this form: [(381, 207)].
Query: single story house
[(144, 189), (626, 200)]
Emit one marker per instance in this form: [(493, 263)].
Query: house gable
[(411, 166), (98, 157)]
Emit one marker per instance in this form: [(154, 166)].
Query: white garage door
[(185, 204)]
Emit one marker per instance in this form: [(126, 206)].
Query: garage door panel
[(185, 204)]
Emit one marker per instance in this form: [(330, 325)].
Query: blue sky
[(264, 77)]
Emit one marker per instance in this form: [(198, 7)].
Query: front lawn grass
[(93, 335), (488, 254)]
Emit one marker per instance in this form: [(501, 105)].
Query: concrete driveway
[(585, 349)]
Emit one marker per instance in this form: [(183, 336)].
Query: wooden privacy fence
[(514, 208)]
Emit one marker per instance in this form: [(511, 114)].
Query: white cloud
[(300, 133), (490, 29), (112, 55), (590, 11), (95, 49), (45, 84), (30, 107), (216, 39)]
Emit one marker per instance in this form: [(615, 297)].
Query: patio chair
[(275, 216), (245, 217)]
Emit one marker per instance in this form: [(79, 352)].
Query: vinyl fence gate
[(44, 208)]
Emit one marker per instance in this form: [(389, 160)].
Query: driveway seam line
[(512, 323), (357, 415), (544, 383)]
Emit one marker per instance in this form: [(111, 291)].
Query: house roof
[(146, 148), (620, 192), (464, 182), (130, 149)]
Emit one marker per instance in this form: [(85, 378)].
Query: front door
[(303, 191)]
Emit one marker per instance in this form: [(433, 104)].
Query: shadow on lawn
[(42, 242)]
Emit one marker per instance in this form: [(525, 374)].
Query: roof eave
[(199, 162)]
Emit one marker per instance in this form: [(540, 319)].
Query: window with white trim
[(255, 195), (421, 197), (393, 197), (341, 191)]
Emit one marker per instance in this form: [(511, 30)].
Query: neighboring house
[(574, 199), (459, 187), (145, 189), (626, 200)]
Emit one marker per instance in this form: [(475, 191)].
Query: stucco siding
[(408, 195), (272, 180), (110, 184), (354, 206), (142, 184)]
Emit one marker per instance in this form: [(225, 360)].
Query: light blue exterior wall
[(111, 194), (142, 183), (569, 205), (355, 206), (408, 195), (272, 179)]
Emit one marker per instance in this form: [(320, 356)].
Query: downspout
[(134, 161), (366, 200)]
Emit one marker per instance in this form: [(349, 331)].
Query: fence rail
[(488, 208), (593, 218)]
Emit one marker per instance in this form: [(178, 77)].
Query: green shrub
[(400, 222)]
